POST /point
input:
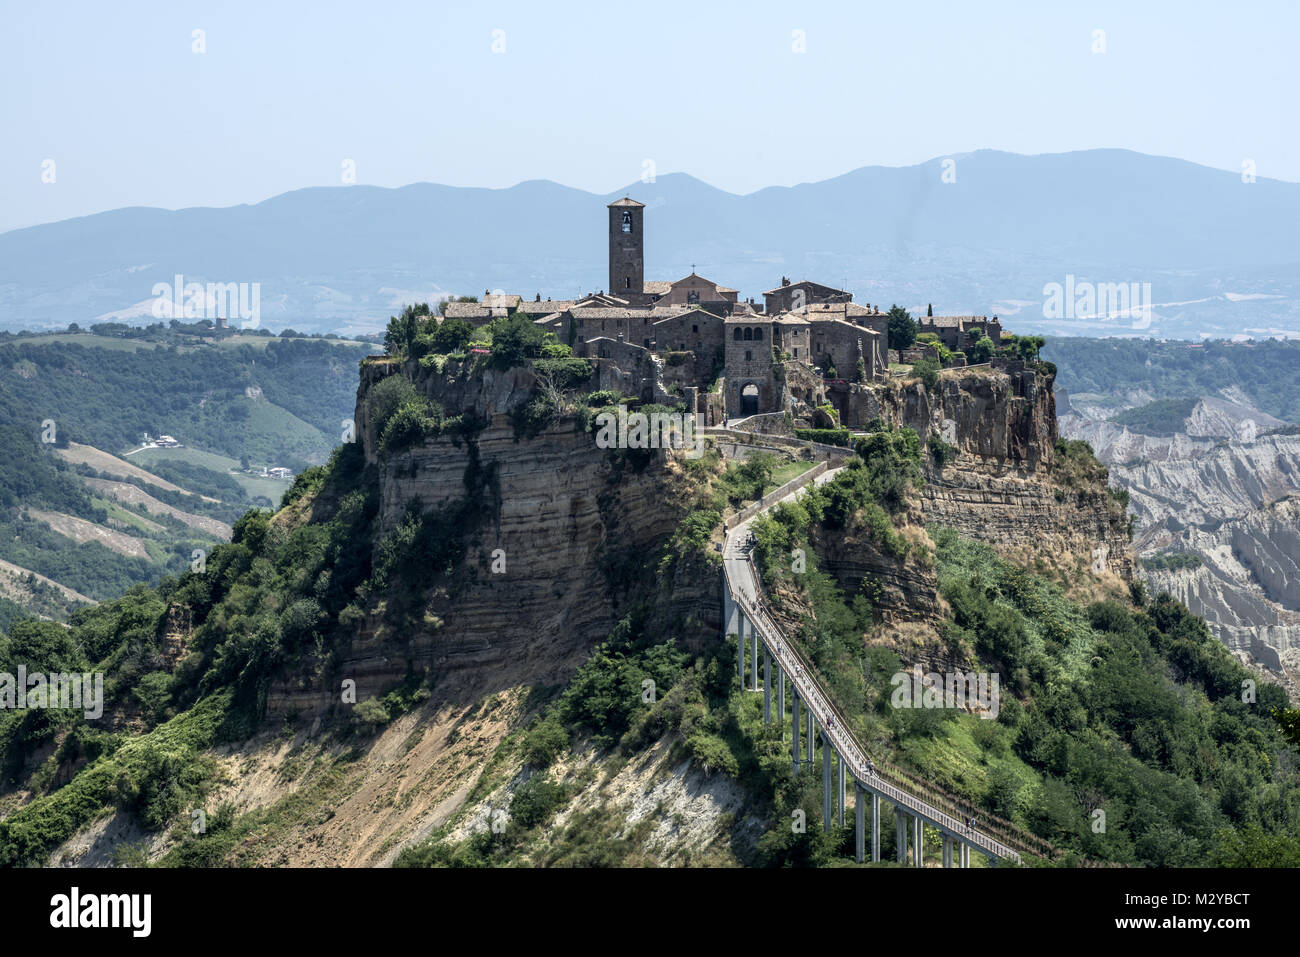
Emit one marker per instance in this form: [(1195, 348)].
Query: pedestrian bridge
[(816, 721)]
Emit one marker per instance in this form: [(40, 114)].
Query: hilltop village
[(807, 346)]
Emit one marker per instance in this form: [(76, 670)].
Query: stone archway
[(749, 399)]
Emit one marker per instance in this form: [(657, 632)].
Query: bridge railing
[(836, 727), (888, 779)]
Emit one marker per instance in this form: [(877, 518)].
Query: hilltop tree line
[(1265, 370)]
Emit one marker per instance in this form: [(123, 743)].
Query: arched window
[(758, 335), (627, 282), (737, 335), (627, 220), (749, 334)]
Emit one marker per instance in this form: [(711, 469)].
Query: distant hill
[(1222, 256), (95, 512)]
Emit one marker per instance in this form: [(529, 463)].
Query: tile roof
[(466, 310), (951, 322), (547, 306), (626, 202), (804, 282)]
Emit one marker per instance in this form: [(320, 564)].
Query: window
[(737, 335), (692, 295), (749, 356), (627, 220), (695, 327), (758, 335), (627, 282), (749, 334), (796, 352)]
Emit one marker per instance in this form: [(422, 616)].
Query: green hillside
[(267, 400), (1265, 370)]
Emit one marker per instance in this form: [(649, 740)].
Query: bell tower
[(626, 249)]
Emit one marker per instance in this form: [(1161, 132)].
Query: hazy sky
[(584, 94)]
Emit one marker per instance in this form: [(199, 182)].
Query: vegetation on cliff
[(1122, 734)]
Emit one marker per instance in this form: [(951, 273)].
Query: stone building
[(961, 332), (696, 332), (751, 377), (837, 346), (695, 290), (673, 341), (627, 249), (794, 296)]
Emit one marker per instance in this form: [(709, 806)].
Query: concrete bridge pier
[(753, 660), (859, 822), (780, 698), (918, 839), (812, 731), (794, 728), (740, 648), (767, 686), (839, 764), (826, 784), (875, 828), (730, 612), (900, 833), (947, 850), (965, 854)]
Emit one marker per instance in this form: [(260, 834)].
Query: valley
[(1212, 474), (88, 512)]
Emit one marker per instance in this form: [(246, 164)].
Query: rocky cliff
[(1001, 486), (558, 521), (1220, 491)]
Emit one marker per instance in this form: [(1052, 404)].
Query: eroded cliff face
[(1001, 487), (1003, 412), (1223, 490), (1247, 585), (557, 520)]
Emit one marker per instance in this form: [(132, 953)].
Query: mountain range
[(979, 233)]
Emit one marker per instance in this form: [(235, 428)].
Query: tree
[(981, 351), (902, 328), (515, 340), (929, 310), (402, 330), (1027, 347), (452, 335), (243, 462)]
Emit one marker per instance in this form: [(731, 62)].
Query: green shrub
[(564, 372), (928, 371), (535, 801), (839, 437), (940, 451), (414, 421), (1172, 561)]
